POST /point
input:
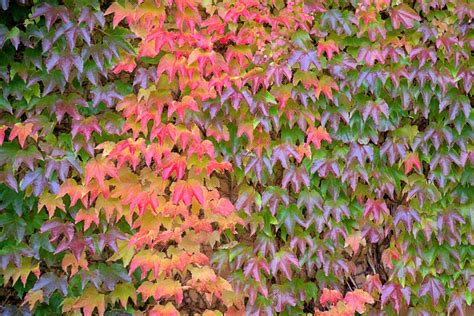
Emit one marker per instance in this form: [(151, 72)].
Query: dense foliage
[(238, 156)]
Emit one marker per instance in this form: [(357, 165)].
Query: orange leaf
[(121, 13), (354, 241), (247, 129), (70, 260), (325, 85), (341, 309), (167, 310), (91, 300), (75, 191), (22, 131), (162, 288), (187, 103), (357, 300), (97, 169), (317, 135), (88, 216)]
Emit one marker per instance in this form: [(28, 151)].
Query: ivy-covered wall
[(236, 157)]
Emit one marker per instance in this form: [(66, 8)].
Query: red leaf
[(3, 128), (187, 103), (185, 191), (127, 64), (223, 207), (329, 46), (175, 164), (219, 166), (331, 296), (410, 161), (86, 127), (405, 15)]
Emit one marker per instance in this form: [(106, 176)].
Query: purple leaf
[(434, 287)]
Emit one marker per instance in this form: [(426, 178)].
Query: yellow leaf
[(124, 252), (51, 202), (122, 293), (21, 272), (33, 297)]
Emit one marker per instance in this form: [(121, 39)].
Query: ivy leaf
[(97, 169), (223, 207), (36, 179), (283, 261), (412, 160), (316, 135), (186, 190), (86, 127), (122, 293), (354, 241), (330, 296), (25, 268), (395, 293), (375, 208), (120, 12), (91, 300), (434, 287), (76, 192), (22, 131), (161, 288), (405, 15), (166, 310), (89, 216), (51, 14), (329, 47), (290, 216), (357, 299), (32, 298), (49, 283)]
